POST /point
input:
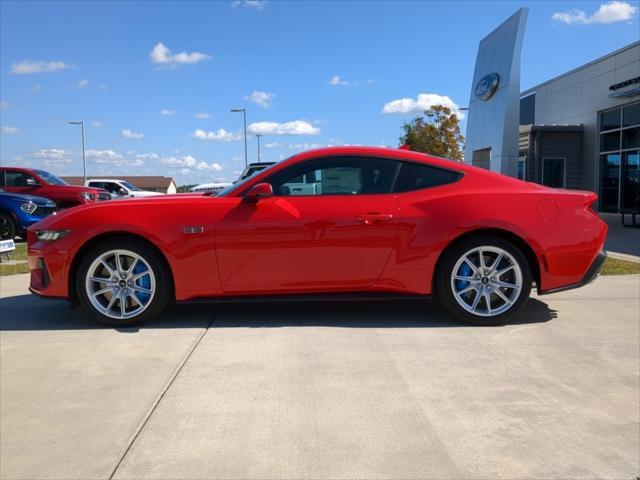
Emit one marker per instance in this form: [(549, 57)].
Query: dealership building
[(579, 130), (582, 130)]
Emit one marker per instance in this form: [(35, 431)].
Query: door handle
[(374, 218)]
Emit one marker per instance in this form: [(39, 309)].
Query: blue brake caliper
[(464, 271), (144, 282)]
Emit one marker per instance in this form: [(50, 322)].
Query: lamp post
[(84, 161), (258, 135), (244, 115)]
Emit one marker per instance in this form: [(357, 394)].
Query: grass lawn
[(612, 266), (615, 266)]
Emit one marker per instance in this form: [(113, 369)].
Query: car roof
[(104, 180)]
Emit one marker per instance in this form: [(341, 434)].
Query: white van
[(119, 188)]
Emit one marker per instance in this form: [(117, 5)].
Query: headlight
[(51, 235), (87, 196), (28, 207)]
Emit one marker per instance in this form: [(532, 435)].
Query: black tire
[(8, 228), (443, 288), (163, 282)]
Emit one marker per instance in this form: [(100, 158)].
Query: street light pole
[(258, 135), (84, 161), (244, 116)]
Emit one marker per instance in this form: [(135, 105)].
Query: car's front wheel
[(483, 280), (7, 227), (122, 281)]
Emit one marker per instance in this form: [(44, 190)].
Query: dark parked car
[(44, 184), (17, 212)]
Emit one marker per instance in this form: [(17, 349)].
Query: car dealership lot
[(309, 390)]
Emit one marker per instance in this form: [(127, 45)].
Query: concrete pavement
[(308, 390)]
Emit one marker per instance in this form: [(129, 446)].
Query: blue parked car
[(18, 211)]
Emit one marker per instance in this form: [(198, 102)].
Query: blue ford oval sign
[(487, 86)]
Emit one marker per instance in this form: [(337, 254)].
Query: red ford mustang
[(336, 222)]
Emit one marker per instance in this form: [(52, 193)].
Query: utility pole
[(258, 135), (244, 115), (84, 161)]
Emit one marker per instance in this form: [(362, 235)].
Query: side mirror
[(258, 191), (31, 182)]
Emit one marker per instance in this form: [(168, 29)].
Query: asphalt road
[(309, 390)]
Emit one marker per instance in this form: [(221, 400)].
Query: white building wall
[(577, 96)]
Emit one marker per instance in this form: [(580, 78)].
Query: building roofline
[(531, 90)]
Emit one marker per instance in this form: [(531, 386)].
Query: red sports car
[(335, 222)]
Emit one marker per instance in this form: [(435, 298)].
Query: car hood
[(19, 197), (73, 189)]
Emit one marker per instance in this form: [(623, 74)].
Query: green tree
[(436, 133)]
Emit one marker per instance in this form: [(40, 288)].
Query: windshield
[(50, 178), (233, 186), (133, 188)]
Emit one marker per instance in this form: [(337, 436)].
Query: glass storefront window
[(610, 141), (553, 172), (609, 181), (610, 120), (631, 138), (631, 115), (631, 180), (619, 158)]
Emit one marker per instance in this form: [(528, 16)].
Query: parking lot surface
[(323, 390)]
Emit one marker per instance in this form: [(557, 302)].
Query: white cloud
[(305, 146), (167, 112), (219, 135), (53, 156), (103, 156), (36, 88), (263, 99), (126, 133), (161, 55), (11, 130), (337, 81), (97, 124), (110, 157), (27, 67), (188, 162), (295, 127), (4, 104), (423, 102), (82, 83), (147, 156), (272, 145), (609, 12), (202, 115), (370, 81), (102, 86), (257, 4)]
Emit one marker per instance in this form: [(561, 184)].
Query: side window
[(95, 185), (336, 176), (3, 183), (17, 179), (414, 176)]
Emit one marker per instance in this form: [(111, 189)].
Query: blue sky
[(154, 81)]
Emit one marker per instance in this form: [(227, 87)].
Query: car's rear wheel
[(7, 227), (122, 281), (483, 280)]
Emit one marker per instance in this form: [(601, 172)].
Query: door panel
[(306, 243)]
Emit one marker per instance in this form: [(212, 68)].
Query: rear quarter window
[(415, 176)]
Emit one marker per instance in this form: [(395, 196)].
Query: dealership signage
[(487, 86), (617, 92)]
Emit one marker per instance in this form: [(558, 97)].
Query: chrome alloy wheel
[(120, 284), (486, 281)]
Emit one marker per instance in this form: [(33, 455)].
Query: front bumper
[(592, 273)]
